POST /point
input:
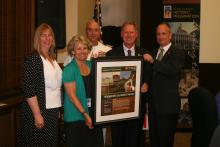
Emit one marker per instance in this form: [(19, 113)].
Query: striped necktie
[(160, 55)]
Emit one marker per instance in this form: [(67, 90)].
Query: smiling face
[(93, 32), (129, 35), (45, 40), (80, 51), (164, 35)]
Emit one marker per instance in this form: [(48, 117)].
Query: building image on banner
[(184, 20)]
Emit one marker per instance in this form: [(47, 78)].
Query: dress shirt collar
[(166, 47), (126, 50)]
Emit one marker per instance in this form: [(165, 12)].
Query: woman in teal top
[(79, 128)]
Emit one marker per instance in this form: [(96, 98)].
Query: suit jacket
[(164, 95), (127, 133), (204, 116), (33, 81), (215, 142)]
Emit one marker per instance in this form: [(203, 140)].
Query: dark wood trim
[(9, 111), (17, 29)]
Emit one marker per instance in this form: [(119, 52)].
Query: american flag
[(97, 12)]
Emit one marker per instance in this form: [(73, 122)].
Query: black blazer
[(204, 116), (164, 95), (33, 83)]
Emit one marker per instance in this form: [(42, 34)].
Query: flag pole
[(98, 12)]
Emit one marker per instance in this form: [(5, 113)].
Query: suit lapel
[(167, 53), (122, 53), (137, 51)]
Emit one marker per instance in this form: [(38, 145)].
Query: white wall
[(210, 31), (71, 25), (85, 13), (116, 12), (78, 12)]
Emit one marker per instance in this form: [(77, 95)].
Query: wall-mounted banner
[(184, 18)]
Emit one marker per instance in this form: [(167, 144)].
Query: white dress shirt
[(131, 49), (53, 81), (165, 49)]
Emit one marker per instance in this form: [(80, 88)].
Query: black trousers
[(129, 133), (79, 135), (125, 134), (162, 129)]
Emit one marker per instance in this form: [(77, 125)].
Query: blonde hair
[(40, 29), (76, 39)]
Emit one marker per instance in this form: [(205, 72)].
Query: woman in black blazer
[(42, 92)]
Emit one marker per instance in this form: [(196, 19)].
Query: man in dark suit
[(164, 101), (127, 133)]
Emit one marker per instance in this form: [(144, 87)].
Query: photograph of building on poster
[(186, 36), (185, 25), (118, 90)]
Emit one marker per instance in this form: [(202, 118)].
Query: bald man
[(93, 33), (164, 100)]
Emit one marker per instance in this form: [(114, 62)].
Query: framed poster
[(117, 89)]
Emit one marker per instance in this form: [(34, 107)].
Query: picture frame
[(167, 11), (117, 90)]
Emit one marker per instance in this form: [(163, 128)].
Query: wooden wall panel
[(17, 28)]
